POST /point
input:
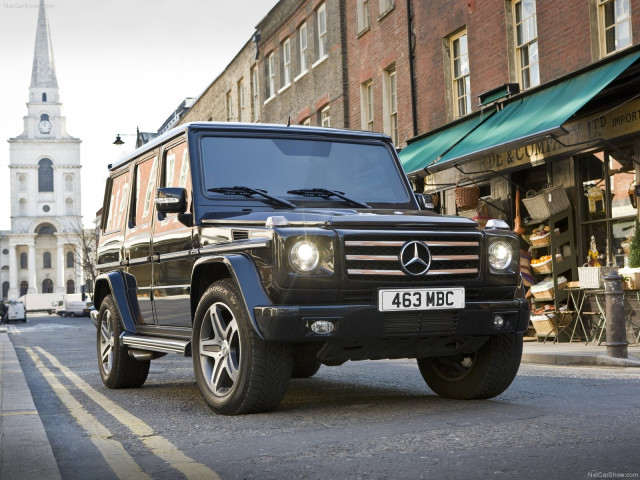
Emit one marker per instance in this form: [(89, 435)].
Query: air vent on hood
[(238, 235)]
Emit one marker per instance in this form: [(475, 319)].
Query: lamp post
[(119, 141)]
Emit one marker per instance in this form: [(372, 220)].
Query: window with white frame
[(286, 62), (271, 75), (325, 118), (363, 16), (390, 103), (306, 122), (385, 6), (615, 25), (323, 43), (366, 105), (241, 104), (461, 85), (526, 43), (303, 47), (229, 103), (255, 105)]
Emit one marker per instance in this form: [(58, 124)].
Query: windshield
[(363, 172)]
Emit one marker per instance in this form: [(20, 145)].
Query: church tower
[(44, 167)]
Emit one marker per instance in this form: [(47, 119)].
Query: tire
[(305, 364), (24, 319), (480, 375), (236, 371), (72, 314), (117, 368)]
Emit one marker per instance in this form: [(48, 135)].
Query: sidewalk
[(25, 451)]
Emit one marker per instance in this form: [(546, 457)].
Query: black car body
[(273, 249)]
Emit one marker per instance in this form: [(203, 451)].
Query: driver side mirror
[(424, 201), (171, 200)]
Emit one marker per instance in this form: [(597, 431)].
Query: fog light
[(498, 321), (322, 327)]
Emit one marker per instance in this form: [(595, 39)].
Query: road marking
[(27, 412), (158, 445), (122, 464)]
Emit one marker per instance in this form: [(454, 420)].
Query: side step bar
[(157, 344)]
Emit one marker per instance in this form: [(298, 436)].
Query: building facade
[(41, 253)]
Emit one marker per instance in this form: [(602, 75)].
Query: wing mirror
[(171, 200)]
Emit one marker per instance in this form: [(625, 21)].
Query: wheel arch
[(122, 287), (238, 267)]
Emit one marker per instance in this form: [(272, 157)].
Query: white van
[(16, 312), (74, 308)]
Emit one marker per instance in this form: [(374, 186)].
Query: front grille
[(408, 324), (377, 258)]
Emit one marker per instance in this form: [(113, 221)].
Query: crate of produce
[(542, 264), (544, 289), (551, 323), (546, 202), (540, 239)]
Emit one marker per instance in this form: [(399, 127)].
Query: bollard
[(615, 322)]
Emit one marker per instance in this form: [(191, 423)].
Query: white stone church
[(40, 254)]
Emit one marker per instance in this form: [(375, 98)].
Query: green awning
[(426, 150), (523, 120), (534, 116)]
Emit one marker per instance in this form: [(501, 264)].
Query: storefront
[(580, 132)]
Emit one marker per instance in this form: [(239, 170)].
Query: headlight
[(500, 255), (304, 256)]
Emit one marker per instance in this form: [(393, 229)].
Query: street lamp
[(119, 140)]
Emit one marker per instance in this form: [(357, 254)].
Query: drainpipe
[(411, 41)]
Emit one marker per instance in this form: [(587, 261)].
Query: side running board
[(157, 344)]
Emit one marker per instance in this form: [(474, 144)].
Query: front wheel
[(482, 374), (236, 371), (117, 368)]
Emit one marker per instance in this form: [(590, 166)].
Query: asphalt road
[(363, 420)]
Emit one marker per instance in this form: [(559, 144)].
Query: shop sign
[(621, 121)]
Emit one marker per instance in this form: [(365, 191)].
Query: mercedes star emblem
[(415, 258)]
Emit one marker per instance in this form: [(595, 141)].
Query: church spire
[(43, 74)]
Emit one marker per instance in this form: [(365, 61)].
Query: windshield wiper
[(249, 192), (325, 193)]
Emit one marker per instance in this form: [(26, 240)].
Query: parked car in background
[(15, 312)]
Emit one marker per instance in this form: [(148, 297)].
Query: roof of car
[(247, 127)]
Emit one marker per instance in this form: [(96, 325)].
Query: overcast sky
[(120, 64)]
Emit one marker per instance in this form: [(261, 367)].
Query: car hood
[(340, 218)]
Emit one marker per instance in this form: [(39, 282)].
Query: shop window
[(608, 205)]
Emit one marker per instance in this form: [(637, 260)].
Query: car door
[(172, 245), (137, 242)]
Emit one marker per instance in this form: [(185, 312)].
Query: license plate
[(401, 299)]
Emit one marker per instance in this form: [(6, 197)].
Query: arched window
[(24, 287), (70, 262), (5, 290), (47, 285), (46, 229), (44, 97), (71, 286), (45, 175), (23, 261), (46, 260)]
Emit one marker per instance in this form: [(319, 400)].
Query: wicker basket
[(544, 267), (589, 277), (540, 240), (548, 324), (546, 202), (467, 197)]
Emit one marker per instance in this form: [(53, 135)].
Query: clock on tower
[(45, 124)]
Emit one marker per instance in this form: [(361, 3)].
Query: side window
[(117, 203), (145, 187), (176, 168)]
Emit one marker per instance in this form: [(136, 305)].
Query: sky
[(120, 65)]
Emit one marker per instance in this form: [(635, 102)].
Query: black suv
[(265, 251)]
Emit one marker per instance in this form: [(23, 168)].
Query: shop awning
[(521, 121), (419, 154)]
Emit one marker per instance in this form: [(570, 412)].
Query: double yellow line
[(122, 464)]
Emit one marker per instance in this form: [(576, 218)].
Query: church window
[(47, 285), (46, 229), (23, 260), (70, 260), (45, 175), (71, 286), (24, 287), (5, 290), (44, 97), (46, 260)]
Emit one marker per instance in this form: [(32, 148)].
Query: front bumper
[(361, 323)]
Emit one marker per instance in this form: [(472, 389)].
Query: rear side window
[(145, 187), (117, 203)]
